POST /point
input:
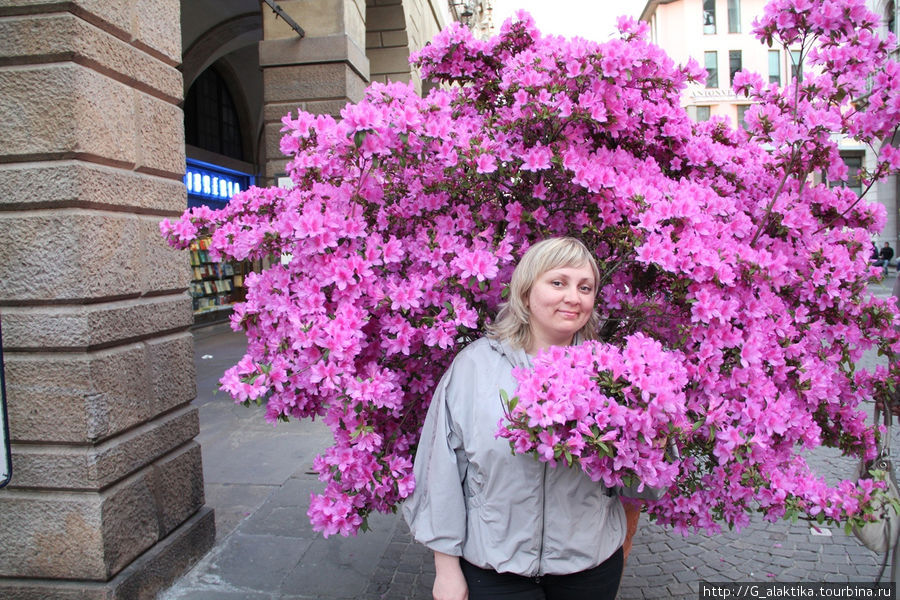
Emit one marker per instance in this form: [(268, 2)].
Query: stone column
[(106, 498), (387, 41), (318, 73)]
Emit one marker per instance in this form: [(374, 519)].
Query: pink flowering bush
[(733, 294), (606, 408)]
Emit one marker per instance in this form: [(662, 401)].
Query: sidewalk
[(259, 478)]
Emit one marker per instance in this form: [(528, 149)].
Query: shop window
[(210, 118), (215, 286), (735, 64), (734, 16), (710, 60), (709, 16), (775, 67), (703, 113)]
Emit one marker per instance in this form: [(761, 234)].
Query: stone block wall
[(387, 41), (394, 28), (106, 498), (318, 73)]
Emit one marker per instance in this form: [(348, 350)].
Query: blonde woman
[(505, 525)]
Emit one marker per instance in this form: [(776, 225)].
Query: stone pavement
[(258, 480)]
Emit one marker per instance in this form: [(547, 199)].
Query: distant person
[(884, 257)]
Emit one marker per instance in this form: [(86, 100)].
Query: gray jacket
[(501, 511)]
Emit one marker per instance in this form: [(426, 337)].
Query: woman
[(505, 525)]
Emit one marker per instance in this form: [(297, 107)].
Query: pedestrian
[(502, 524), (884, 257)]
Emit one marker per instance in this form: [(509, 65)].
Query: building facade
[(718, 35), (103, 105)]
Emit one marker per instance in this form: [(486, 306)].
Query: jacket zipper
[(543, 523)]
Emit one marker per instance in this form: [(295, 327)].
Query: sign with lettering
[(213, 185)]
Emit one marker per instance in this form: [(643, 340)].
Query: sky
[(591, 19)]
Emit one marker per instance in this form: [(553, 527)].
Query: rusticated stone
[(95, 395), (97, 467), (332, 48), (163, 267), (381, 18), (64, 36), (77, 254), (89, 326), (389, 60), (153, 28), (395, 38), (317, 17), (91, 536), (172, 370), (141, 580), (66, 108), (317, 81), (72, 183), (148, 506), (275, 169), (55, 535), (160, 128), (177, 482), (149, 23)]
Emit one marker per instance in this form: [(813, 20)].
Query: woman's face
[(560, 303)]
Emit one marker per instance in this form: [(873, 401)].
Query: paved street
[(258, 480)]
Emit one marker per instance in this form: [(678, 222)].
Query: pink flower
[(537, 158), (733, 288), (486, 163)]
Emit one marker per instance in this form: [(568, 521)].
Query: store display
[(215, 285)]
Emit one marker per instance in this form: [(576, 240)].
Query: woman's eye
[(587, 289), (556, 283)]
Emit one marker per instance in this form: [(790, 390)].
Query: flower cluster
[(611, 410), (733, 297)]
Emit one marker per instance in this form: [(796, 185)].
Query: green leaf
[(359, 137)]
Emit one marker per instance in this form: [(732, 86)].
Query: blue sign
[(212, 185)]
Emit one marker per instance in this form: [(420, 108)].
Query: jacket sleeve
[(436, 510)]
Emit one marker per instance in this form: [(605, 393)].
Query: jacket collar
[(518, 357)]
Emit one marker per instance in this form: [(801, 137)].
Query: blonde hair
[(512, 324)]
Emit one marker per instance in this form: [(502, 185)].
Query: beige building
[(101, 104), (718, 35)]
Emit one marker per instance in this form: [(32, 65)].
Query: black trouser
[(599, 583)]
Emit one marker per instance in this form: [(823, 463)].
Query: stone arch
[(227, 73), (394, 29), (387, 41), (231, 47), (226, 37)]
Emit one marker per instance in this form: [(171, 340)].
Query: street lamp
[(462, 11)]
